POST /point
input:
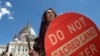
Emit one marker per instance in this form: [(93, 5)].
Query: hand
[(33, 53), (30, 52)]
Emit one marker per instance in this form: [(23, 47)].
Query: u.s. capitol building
[(19, 46)]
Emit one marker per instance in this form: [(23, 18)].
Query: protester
[(38, 47), (10, 54), (4, 54), (47, 17)]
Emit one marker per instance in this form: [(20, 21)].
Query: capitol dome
[(27, 30)]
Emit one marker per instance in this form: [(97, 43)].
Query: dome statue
[(27, 30)]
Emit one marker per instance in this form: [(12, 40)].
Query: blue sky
[(14, 14)]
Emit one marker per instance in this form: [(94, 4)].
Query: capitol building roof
[(26, 30)]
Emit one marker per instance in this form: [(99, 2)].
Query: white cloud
[(8, 4), (10, 17), (0, 15), (4, 11)]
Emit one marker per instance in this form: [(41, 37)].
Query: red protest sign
[(72, 34)]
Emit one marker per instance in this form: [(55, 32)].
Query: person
[(33, 53), (4, 54), (47, 18), (38, 47), (10, 54)]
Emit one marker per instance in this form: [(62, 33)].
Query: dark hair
[(43, 28), (44, 19), (11, 54), (39, 45), (44, 25)]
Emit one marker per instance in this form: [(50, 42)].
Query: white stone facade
[(19, 47), (2, 48)]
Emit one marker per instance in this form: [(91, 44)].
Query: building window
[(18, 49), (26, 49), (23, 49)]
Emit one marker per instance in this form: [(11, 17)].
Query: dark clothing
[(39, 44)]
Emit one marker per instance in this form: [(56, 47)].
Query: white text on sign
[(55, 37), (70, 47), (89, 51), (76, 25)]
